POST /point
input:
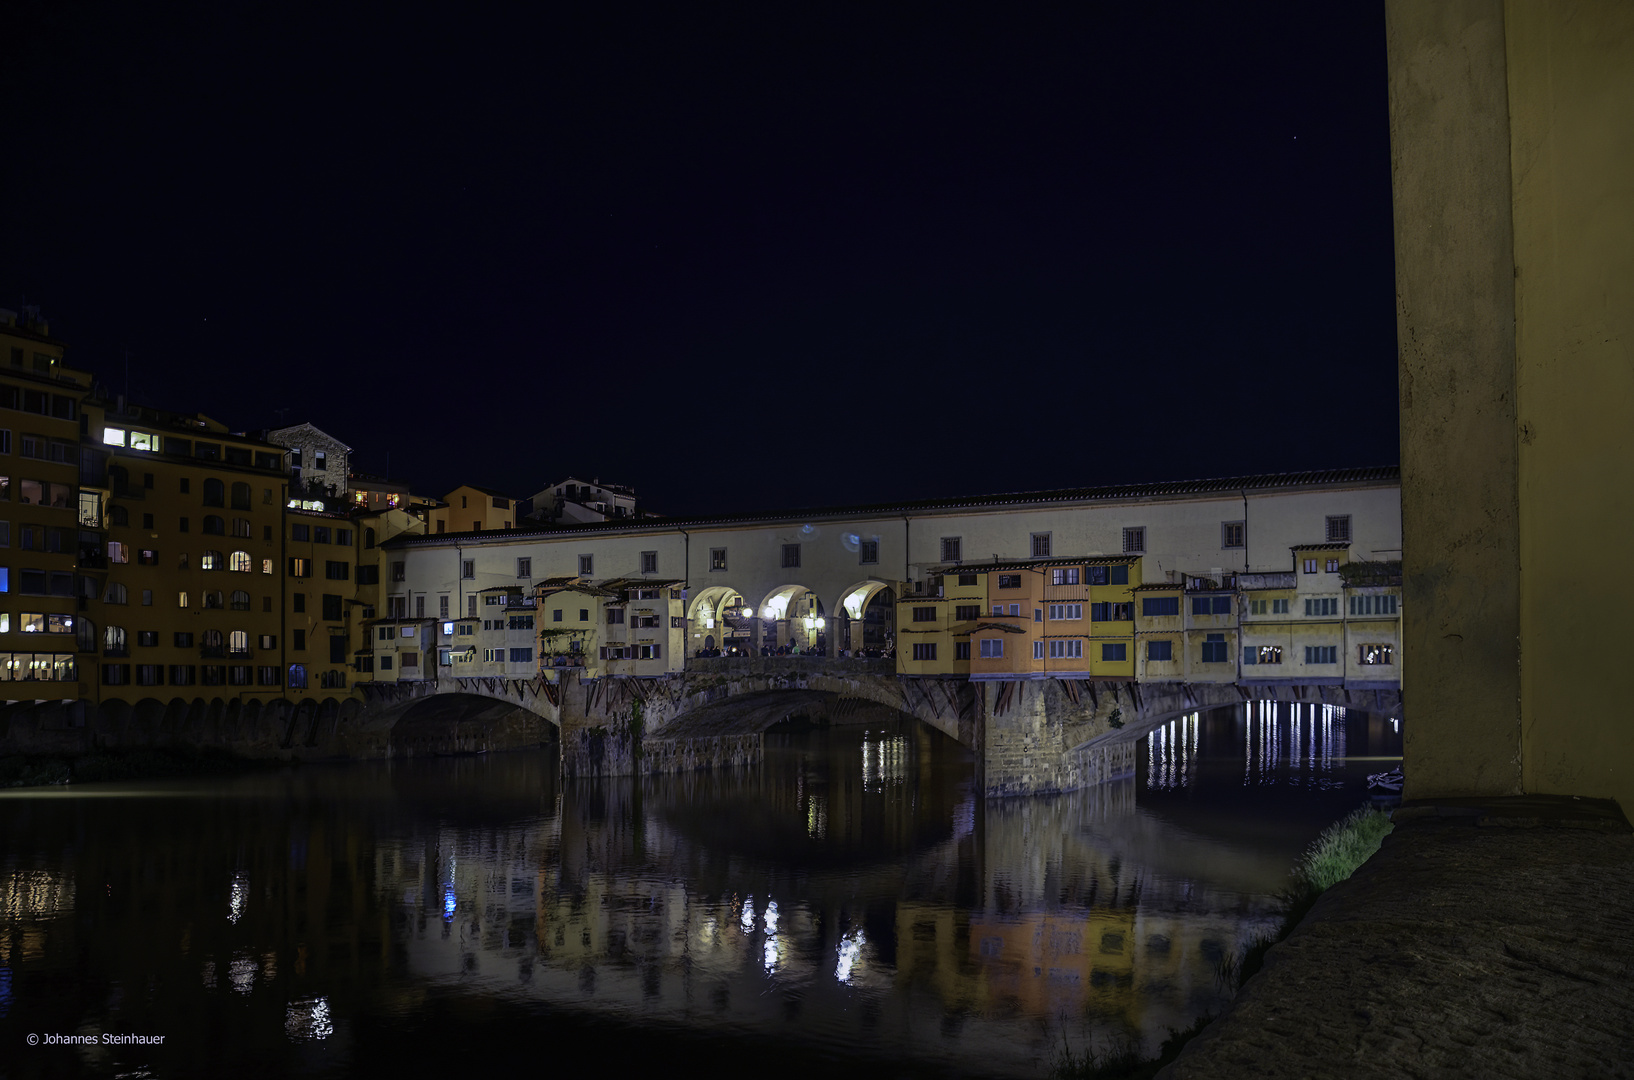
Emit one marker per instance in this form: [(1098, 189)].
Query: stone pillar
[(1455, 322)]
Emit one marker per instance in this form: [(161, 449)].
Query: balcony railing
[(212, 652)]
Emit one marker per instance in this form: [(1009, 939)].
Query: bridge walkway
[(1489, 938)]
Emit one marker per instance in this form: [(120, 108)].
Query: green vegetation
[(1333, 857), (1371, 573)]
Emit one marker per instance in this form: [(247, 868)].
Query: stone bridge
[(1029, 736)]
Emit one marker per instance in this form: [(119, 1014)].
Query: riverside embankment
[(1490, 938)]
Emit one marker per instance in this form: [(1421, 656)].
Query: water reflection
[(851, 899)]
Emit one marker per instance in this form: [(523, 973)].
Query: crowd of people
[(791, 649)]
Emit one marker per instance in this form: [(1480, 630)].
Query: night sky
[(756, 257)]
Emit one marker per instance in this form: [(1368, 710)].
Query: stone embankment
[(1487, 938)]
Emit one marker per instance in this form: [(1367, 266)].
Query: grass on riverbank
[(39, 771), (1333, 857)]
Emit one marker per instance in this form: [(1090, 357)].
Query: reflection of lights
[(450, 902), (309, 1019), (241, 973), (850, 952), (747, 922), (240, 893), (769, 954), (817, 817), (884, 762)]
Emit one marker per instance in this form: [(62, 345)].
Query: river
[(849, 905)]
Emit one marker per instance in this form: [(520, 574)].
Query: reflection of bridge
[(1030, 736)]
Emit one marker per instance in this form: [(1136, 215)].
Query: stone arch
[(792, 615), (716, 616)]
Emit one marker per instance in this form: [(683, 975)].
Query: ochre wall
[(1571, 122), (1454, 322), (1512, 131)]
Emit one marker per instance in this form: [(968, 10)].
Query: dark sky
[(765, 256)]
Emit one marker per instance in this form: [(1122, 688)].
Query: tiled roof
[(1173, 489)]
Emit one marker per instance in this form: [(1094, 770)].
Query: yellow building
[(186, 592), (372, 528), (40, 406), (320, 561), (574, 619), (1160, 640), (473, 509), (1058, 618), (1210, 608), (646, 627), (933, 630)]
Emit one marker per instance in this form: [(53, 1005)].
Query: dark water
[(849, 905)]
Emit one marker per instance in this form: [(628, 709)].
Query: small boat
[(1385, 783)]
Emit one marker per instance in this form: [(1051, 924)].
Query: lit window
[(240, 561), (112, 436)]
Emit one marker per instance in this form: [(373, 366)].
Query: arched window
[(214, 491), (297, 676), (117, 594), (239, 642), (85, 634), (241, 496), (241, 527), (210, 639), (368, 538), (239, 561), (240, 600), (210, 560), (118, 515), (214, 525), (113, 640), (213, 599)]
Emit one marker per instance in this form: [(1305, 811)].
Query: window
[(147, 557), (240, 562), (992, 648), (951, 546), (296, 532), (587, 564), (1038, 650), (343, 536), (297, 676), (1262, 654), (398, 571), (868, 553), (1134, 540), (211, 560), (1373, 605), (442, 606), (791, 556), (966, 612), (1279, 607), (1256, 607), (649, 562), (925, 651), (1214, 649), (556, 616), (924, 614), (337, 571), (1310, 566), (1159, 651), (1338, 531), (468, 569), (1115, 651), (215, 493), (1064, 575), (297, 640), (300, 568), (113, 637), (117, 552), (241, 496), (1321, 654), (521, 656), (1333, 566), (1159, 606), (1322, 605), (717, 558), (524, 568), (961, 650), (615, 616), (1066, 611), (1375, 654), (1211, 605), (1009, 581), (385, 663), (1041, 545), (1015, 609), (1231, 534), (116, 674), (470, 607)]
